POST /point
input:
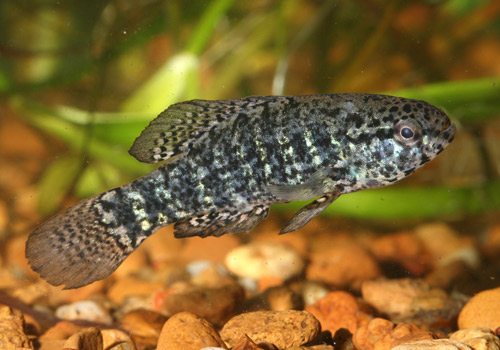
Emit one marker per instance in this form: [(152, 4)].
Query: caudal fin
[(79, 245)]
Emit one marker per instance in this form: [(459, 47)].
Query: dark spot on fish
[(384, 133)]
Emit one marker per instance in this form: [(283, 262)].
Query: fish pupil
[(407, 133)]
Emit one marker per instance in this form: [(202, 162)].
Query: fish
[(227, 161)]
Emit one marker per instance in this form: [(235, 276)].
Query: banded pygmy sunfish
[(228, 161)]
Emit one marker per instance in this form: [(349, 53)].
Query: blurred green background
[(92, 74)]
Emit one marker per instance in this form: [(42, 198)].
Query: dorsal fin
[(182, 124)]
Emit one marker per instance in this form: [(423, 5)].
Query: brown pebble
[(444, 275), (491, 243), (314, 347), (441, 241), (143, 325), (62, 330), (403, 298), (55, 337), (187, 331), (131, 286), (344, 265), (170, 273), (281, 328), (245, 343), (4, 220), (216, 305), (265, 283), (50, 344), (482, 310), (114, 338), (12, 326), (282, 298), (121, 346), (381, 334), (434, 344), (404, 248), (278, 298), (477, 338), (211, 276), (87, 339), (31, 293), (337, 310)]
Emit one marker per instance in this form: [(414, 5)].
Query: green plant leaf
[(467, 100), (400, 202), (176, 79), (56, 182)]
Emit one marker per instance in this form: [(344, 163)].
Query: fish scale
[(227, 161)]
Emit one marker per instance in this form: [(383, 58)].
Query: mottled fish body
[(228, 161)]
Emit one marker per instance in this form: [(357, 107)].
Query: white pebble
[(258, 260), (196, 267), (84, 310), (312, 292)]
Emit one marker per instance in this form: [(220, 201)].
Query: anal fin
[(308, 212), (220, 222)]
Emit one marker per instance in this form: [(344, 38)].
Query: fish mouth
[(448, 132), (445, 137)]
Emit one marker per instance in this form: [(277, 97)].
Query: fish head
[(406, 135), (420, 132)]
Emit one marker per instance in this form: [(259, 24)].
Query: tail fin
[(82, 244)]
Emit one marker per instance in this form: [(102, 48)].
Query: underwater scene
[(250, 175)]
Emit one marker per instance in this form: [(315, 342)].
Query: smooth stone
[(131, 286), (381, 334), (87, 339), (433, 344), (187, 331), (144, 323), (216, 305), (339, 309), (404, 248), (344, 265), (264, 259), (116, 339), (403, 298), (477, 338), (312, 292), (84, 310), (281, 328), (482, 310)]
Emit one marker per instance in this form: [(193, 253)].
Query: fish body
[(228, 161)]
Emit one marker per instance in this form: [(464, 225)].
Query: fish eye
[(407, 132)]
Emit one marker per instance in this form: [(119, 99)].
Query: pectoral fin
[(307, 213), (317, 184)]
